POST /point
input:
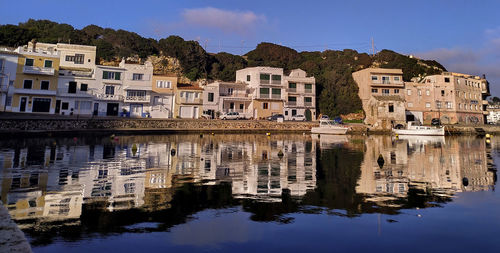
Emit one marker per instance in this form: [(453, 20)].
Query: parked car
[(206, 116), (298, 117), (338, 120), (230, 115), (324, 117), (275, 117), (435, 122)]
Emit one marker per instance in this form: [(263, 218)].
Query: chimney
[(33, 41)]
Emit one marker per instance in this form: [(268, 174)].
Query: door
[(136, 110), (58, 106), (96, 109), (22, 106), (308, 115), (186, 112), (112, 109), (41, 104)]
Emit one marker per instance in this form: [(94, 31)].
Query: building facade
[(300, 95), (8, 69), (381, 93), (188, 101), (108, 98), (137, 88), (163, 96), (223, 97)]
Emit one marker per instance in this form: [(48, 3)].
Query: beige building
[(381, 93), (163, 96), (300, 95), (188, 101), (452, 97)]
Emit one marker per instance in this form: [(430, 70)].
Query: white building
[(223, 97), (300, 95), (8, 67), (109, 94), (137, 88)]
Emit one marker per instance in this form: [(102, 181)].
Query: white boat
[(414, 129), (328, 127)]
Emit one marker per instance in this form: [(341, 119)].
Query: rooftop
[(186, 86)]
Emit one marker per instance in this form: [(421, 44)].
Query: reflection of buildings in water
[(428, 163)]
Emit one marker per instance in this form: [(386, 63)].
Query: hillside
[(336, 90)]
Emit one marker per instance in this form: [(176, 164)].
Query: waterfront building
[(8, 69), (451, 97), (137, 88), (163, 96), (76, 81), (35, 86), (300, 95), (109, 97), (381, 93), (267, 86), (222, 97), (188, 101), (493, 116)]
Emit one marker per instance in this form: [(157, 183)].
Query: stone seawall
[(12, 239), (8, 126)]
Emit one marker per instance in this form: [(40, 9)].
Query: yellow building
[(35, 86), (163, 96)]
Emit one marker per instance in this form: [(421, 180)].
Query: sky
[(462, 35)]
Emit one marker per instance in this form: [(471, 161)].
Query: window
[(408, 91), (210, 97), (84, 87), (83, 105), (396, 91), (294, 112), (196, 95), (48, 64), (446, 79), (276, 78), (72, 87), (28, 84), (308, 101), (308, 87), (438, 104), (292, 86), (374, 78), (264, 78), (136, 76), (79, 58), (242, 106), (65, 106), (397, 79), (428, 105), (275, 106), (410, 105), (110, 90), (44, 85), (136, 93), (276, 93), (292, 100), (427, 92), (420, 92), (374, 90), (29, 62), (264, 92), (286, 113), (385, 79), (70, 58), (391, 107), (248, 78), (265, 106), (385, 91), (449, 105), (8, 101), (111, 75)]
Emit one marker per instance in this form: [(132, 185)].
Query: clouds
[(476, 61), (228, 21)]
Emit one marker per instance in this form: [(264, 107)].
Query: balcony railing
[(308, 104), (138, 98), (308, 90), (291, 103), (292, 89), (276, 96), (264, 95), (38, 70), (112, 97), (65, 91)]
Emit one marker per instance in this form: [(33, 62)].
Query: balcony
[(291, 103), (108, 97), (308, 104), (38, 70), (36, 92), (140, 99), (77, 93), (386, 83), (294, 90)]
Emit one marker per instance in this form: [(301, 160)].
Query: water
[(251, 193)]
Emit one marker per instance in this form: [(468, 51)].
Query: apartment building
[(8, 68), (188, 101), (267, 85), (35, 86), (76, 81), (451, 97), (222, 97), (381, 93), (300, 95), (137, 88), (163, 96), (108, 98)]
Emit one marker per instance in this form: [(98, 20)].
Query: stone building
[(381, 93)]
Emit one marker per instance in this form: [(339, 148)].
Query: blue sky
[(463, 35)]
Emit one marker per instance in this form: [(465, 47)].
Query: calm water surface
[(252, 193)]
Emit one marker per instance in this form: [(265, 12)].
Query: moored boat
[(328, 127), (414, 129)]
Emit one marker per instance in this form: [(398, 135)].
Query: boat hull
[(328, 130), (431, 132)]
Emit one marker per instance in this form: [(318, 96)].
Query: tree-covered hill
[(336, 89)]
